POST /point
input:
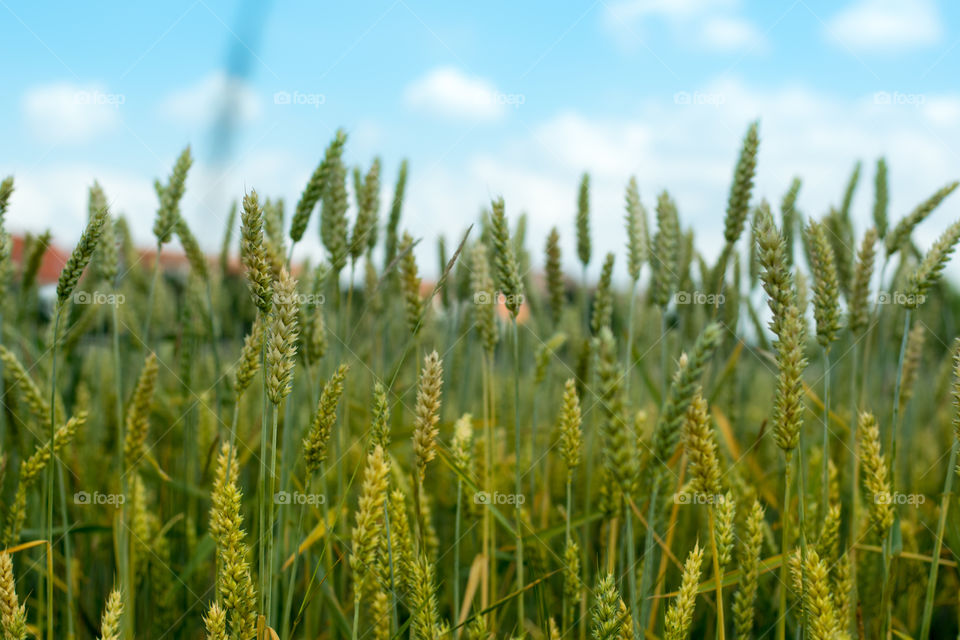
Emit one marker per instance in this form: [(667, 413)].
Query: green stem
[(150, 296), (123, 548), (261, 497), (854, 486), (215, 343), (825, 471), (565, 612), (518, 476), (785, 546), (894, 427), (631, 571), (52, 467), (456, 559), (717, 573), (67, 552), (938, 541), (629, 357), (649, 553), (488, 530), (873, 330), (272, 478), (356, 614), (801, 509), (288, 596)]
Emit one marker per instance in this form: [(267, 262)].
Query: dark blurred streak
[(244, 44)]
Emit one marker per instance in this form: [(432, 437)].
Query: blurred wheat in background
[(764, 446)]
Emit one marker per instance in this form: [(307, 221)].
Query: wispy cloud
[(199, 104), (68, 113), (717, 25), (886, 26), (723, 33), (448, 92)]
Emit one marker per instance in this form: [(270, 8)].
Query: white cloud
[(64, 112), (885, 26), (686, 146), (712, 24), (449, 92), (54, 196), (629, 10), (691, 149), (724, 33), (199, 104)]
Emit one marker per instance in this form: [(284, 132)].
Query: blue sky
[(511, 98)]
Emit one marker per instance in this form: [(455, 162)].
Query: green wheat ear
[(665, 252), (282, 338), (393, 220), (858, 306), (315, 186), (606, 615), (105, 257), (788, 402), (253, 253), (774, 273), (324, 419), (110, 623), (215, 622), (427, 412), (738, 203), (505, 260), (80, 258), (850, 191), (484, 311), (898, 236), (681, 393), (929, 270), (195, 255), (603, 299), (364, 236), (571, 441), (410, 284), (638, 240), (881, 198), (826, 289), (6, 190), (170, 195), (583, 221), (700, 445), (751, 548), (13, 615), (790, 217), (680, 614), (367, 530), (554, 275)]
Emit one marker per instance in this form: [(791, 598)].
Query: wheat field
[(760, 446)]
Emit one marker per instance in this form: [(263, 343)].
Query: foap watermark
[(298, 98), (898, 98), (307, 299), (509, 99), (285, 497), (97, 498), (901, 298), (699, 98), (485, 497), (497, 297), (913, 499), (97, 297), (99, 98), (698, 297), (697, 498)]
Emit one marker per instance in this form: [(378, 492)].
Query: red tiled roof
[(50, 267)]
